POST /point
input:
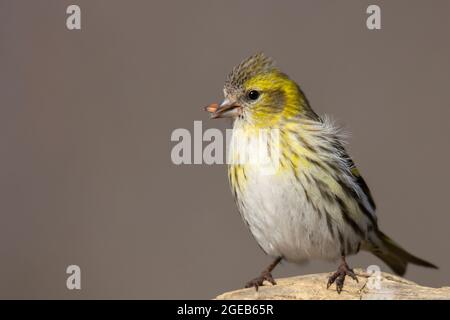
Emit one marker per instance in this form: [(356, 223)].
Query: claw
[(259, 281), (339, 276), (266, 275)]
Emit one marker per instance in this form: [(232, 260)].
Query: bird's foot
[(339, 276), (259, 281)]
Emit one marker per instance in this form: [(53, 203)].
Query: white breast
[(279, 216)]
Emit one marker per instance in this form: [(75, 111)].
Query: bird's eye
[(253, 94)]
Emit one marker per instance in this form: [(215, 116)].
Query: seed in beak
[(212, 107)]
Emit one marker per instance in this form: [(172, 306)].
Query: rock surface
[(378, 285)]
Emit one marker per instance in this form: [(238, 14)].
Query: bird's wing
[(363, 185), (365, 201), (323, 133)]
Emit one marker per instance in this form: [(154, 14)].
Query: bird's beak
[(226, 109)]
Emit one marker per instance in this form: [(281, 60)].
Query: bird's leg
[(339, 276), (265, 275)]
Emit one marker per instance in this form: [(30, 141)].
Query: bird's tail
[(393, 255)]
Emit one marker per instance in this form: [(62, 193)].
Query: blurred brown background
[(86, 116)]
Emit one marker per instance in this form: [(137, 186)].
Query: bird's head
[(258, 92)]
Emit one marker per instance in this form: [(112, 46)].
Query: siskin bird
[(314, 204)]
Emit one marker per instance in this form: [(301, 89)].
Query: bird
[(306, 200)]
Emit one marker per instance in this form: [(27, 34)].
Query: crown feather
[(254, 65)]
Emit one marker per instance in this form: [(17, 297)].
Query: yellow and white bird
[(310, 202)]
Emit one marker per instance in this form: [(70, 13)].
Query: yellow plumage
[(306, 200)]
